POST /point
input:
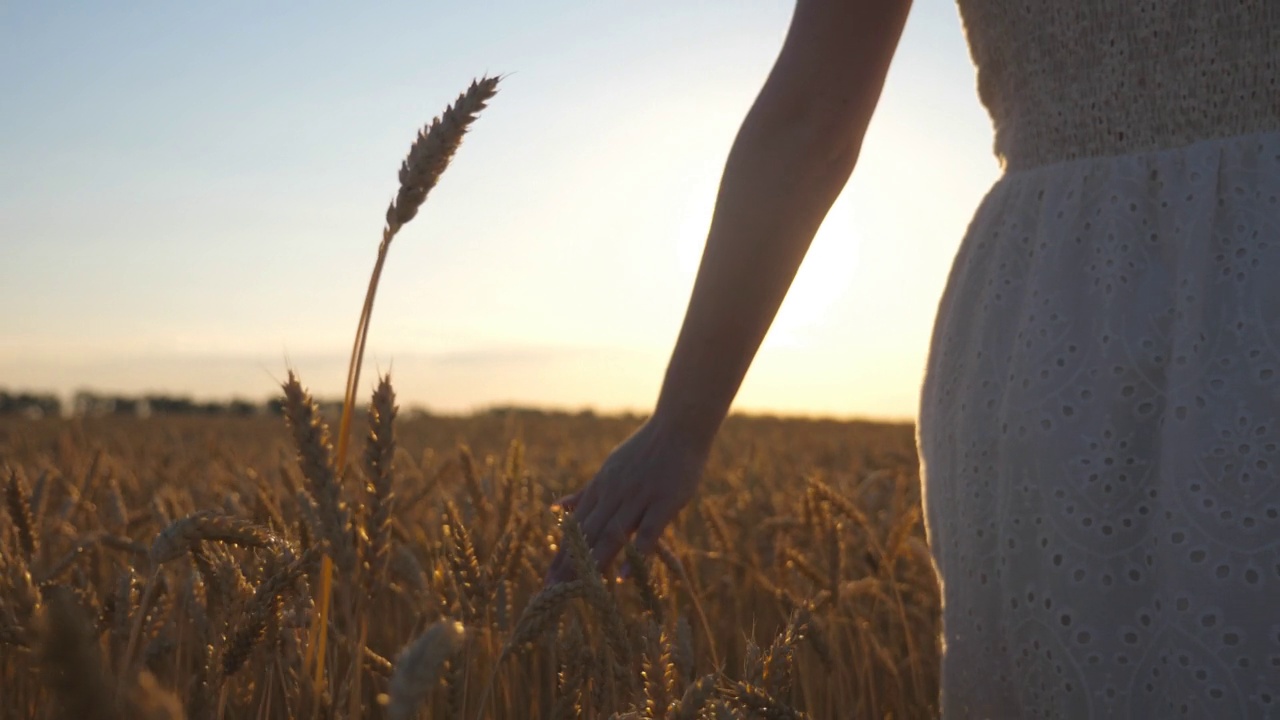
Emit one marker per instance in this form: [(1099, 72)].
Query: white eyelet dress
[(1100, 418)]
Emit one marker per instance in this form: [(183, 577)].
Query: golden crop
[(166, 567)]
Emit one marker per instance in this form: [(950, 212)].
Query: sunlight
[(822, 281)]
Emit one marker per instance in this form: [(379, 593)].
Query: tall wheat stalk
[(419, 172)]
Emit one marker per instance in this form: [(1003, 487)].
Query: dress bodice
[(1064, 79)]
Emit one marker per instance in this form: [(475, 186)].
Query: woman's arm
[(792, 156)]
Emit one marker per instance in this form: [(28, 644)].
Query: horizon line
[(68, 402)]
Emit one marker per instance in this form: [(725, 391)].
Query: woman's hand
[(639, 489)]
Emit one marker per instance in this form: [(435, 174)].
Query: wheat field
[(166, 567)]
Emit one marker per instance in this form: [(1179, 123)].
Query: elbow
[(817, 118), (838, 138), (827, 137)]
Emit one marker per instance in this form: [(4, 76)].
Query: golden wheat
[(221, 630)]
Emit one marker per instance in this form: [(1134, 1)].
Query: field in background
[(164, 567)]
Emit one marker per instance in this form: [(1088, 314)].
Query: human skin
[(793, 154)]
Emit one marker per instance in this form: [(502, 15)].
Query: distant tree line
[(90, 403), (95, 404), (33, 405)]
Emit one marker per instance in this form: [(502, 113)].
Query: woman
[(1100, 419)]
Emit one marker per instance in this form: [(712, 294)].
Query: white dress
[(1100, 419)]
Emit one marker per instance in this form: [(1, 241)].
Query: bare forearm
[(776, 190), (792, 157)]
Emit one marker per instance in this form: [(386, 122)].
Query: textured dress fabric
[(1099, 424)]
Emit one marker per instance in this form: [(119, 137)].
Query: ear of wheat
[(427, 160)]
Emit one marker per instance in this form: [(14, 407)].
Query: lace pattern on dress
[(1100, 432)]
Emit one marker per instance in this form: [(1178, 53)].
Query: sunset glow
[(192, 198)]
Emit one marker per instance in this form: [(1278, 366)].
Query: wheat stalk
[(315, 458), (378, 457), (263, 607), (542, 611), (600, 600), (696, 697), (756, 700), (644, 584), (471, 478), (428, 157), (657, 673), (18, 499), (183, 536)]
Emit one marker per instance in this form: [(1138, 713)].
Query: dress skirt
[(1099, 433)]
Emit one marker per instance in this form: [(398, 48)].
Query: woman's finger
[(558, 572), (586, 499), (607, 531), (594, 522), (568, 502), (561, 569), (649, 530), (614, 536)]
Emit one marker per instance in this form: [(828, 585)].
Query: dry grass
[(816, 595)]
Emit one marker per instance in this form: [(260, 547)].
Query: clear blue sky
[(191, 196)]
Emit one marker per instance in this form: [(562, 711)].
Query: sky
[(191, 197)]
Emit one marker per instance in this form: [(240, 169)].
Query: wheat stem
[(428, 157)]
